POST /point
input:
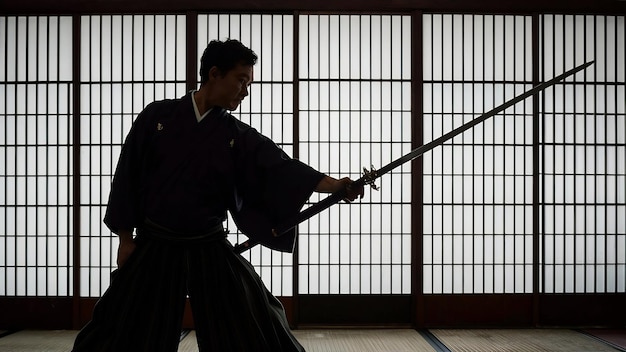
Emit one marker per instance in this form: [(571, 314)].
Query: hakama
[(143, 308)]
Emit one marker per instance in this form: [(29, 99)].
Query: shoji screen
[(477, 187), (126, 63), (583, 156), (35, 156), (268, 108), (354, 107)]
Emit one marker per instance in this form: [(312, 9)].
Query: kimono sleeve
[(124, 208), (271, 188)]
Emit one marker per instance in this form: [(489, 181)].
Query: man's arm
[(331, 185)]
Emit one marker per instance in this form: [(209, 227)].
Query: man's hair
[(225, 56)]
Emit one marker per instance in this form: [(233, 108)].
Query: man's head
[(226, 72), (225, 56)]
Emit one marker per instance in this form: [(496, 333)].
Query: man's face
[(232, 87)]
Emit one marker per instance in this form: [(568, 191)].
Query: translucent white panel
[(355, 46), (36, 161), (3, 47), (481, 178), (115, 48), (486, 43), (355, 111), (580, 163)]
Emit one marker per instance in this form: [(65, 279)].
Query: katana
[(369, 176)]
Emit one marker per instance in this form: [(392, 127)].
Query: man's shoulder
[(160, 110), (165, 104), (237, 125)]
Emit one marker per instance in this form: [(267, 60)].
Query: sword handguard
[(369, 176)]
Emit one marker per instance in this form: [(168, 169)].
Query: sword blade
[(370, 177), (455, 132)]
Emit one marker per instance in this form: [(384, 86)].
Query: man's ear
[(214, 73)]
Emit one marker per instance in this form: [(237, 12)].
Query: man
[(184, 163)]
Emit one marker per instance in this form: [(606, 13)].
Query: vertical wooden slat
[(192, 65), (5, 73), (296, 153), (537, 274), (75, 233), (417, 171)]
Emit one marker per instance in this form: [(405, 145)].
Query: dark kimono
[(174, 182)]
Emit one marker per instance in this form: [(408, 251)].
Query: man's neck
[(201, 102), (200, 112)]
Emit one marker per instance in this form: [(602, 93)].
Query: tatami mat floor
[(513, 340), (374, 340)]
